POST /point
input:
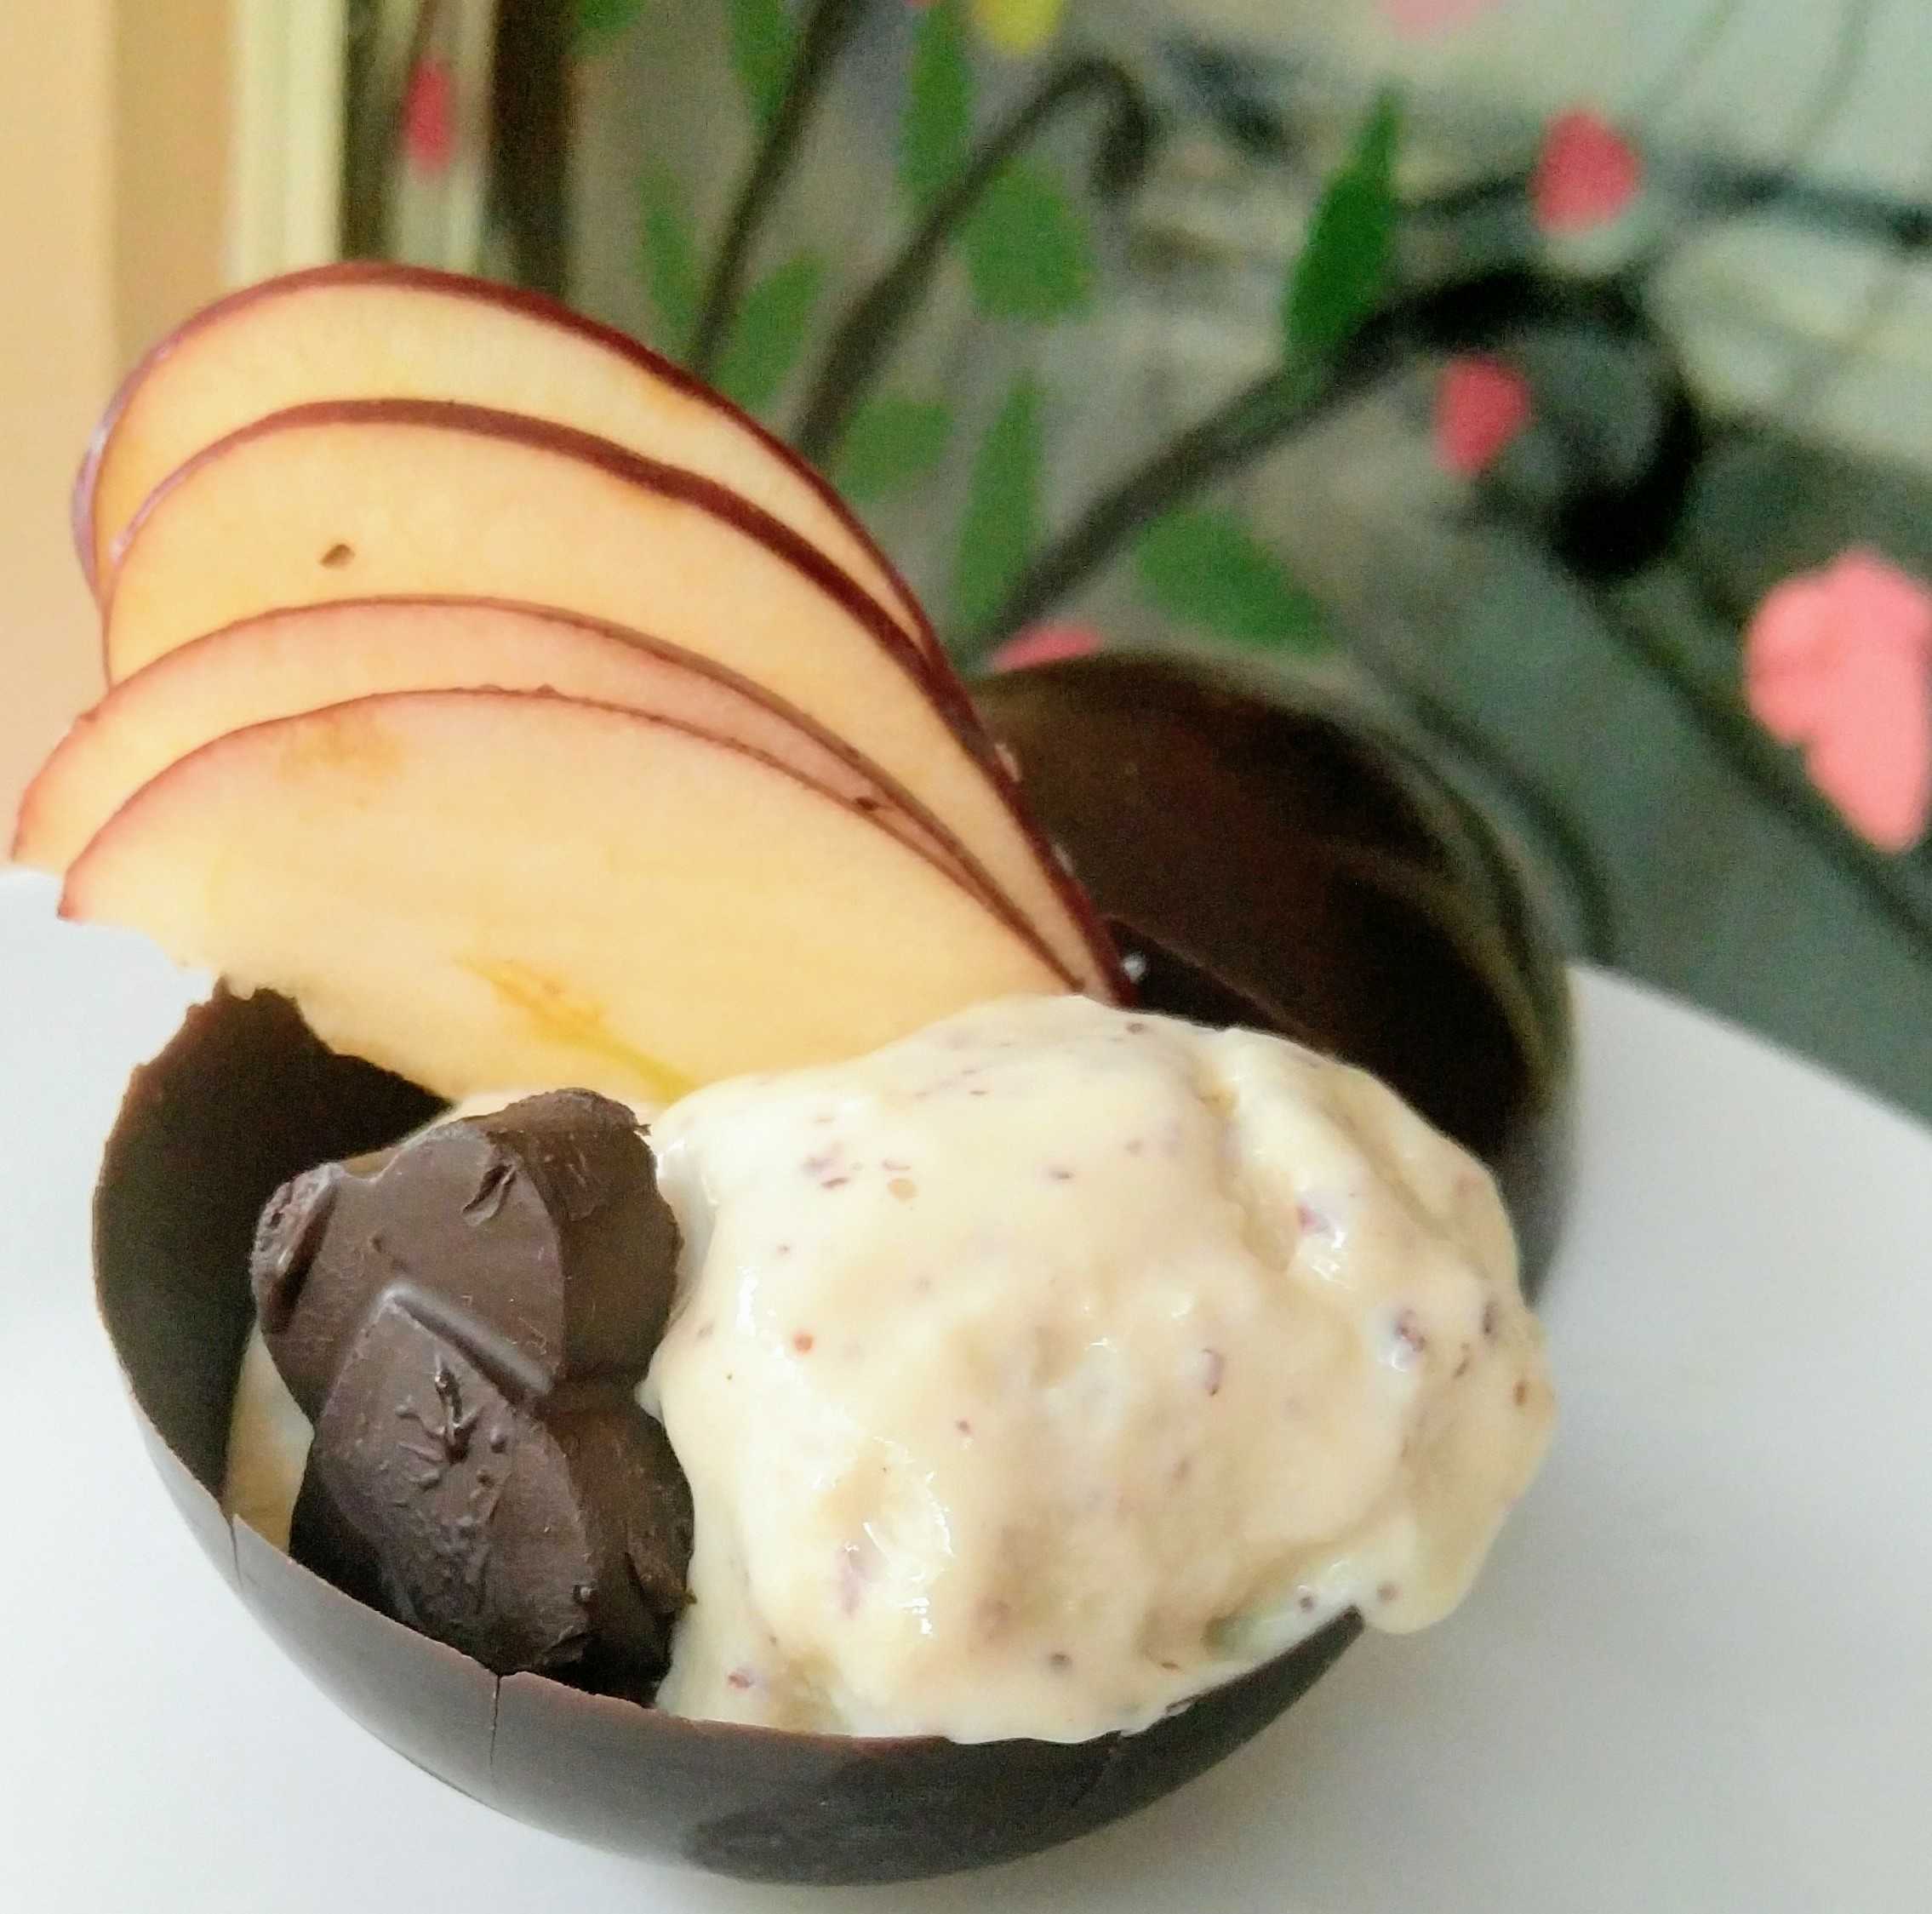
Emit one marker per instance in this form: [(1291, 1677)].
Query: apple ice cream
[(1043, 1369)]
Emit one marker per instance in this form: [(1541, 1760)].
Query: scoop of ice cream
[(1042, 1370)]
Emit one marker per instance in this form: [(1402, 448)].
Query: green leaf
[(1029, 252), (668, 256), (1343, 268), (1203, 568), (938, 128), (764, 41), (892, 443), (769, 332), (600, 21), (1004, 517)]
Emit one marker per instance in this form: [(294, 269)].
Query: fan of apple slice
[(379, 499), (379, 331), (517, 753), (480, 887), (285, 662)]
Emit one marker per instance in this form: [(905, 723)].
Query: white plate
[(1697, 1676)]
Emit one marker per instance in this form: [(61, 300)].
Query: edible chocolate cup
[(245, 1096)]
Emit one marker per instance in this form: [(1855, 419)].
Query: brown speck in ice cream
[(803, 1342), (1387, 1593), (1492, 1319), (337, 556), (903, 1187), (704, 1331), (964, 1426), (1060, 1661), (1313, 1222), (1522, 1392), (1213, 1370), (741, 1679), (1059, 1173), (1135, 1026), (1135, 1144), (1462, 1368), (1409, 1344), (1305, 1602)]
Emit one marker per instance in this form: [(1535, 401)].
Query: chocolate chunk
[(440, 1494), (544, 1220), (466, 1320)]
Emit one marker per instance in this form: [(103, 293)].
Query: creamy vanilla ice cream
[(1047, 1368)]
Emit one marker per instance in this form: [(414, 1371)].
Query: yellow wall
[(112, 164), (56, 323), (172, 94)]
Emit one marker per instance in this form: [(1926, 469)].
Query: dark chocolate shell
[(1186, 807)]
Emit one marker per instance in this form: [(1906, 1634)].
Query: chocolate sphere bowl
[(1260, 859)]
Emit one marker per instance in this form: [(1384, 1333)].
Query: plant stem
[(1236, 433), (870, 328), (827, 28), (1281, 403), (1763, 765)]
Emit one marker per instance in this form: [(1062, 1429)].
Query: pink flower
[(1586, 174), (1419, 17), (429, 118), (1046, 644), (1840, 661), (1481, 405)]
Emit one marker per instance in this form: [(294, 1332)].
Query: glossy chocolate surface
[(466, 1320)]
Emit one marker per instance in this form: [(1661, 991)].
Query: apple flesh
[(475, 889), (369, 330), (297, 660), (365, 500)]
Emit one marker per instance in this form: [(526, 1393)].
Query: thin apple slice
[(297, 660), (365, 500), (370, 330), (482, 887)]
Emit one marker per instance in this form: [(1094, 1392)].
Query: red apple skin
[(612, 647), (933, 672), (461, 286)]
